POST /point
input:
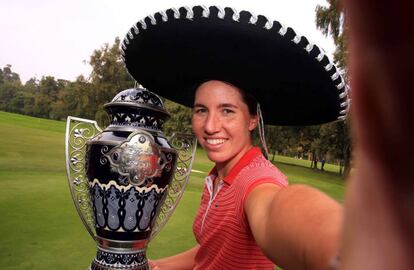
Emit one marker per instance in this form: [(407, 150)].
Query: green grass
[(39, 225), (305, 163)]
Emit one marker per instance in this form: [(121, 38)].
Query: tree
[(17, 102), (9, 76), (280, 140), (108, 77), (74, 100), (46, 95), (30, 89), (1, 76), (336, 141), (331, 21), (8, 92), (11, 98), (180, 120)]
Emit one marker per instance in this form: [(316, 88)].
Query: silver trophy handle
[(78, 132), (185, 145)]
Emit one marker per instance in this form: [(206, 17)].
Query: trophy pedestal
[(126, 260)]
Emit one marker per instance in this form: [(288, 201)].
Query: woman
[(248, 218), (251, 193), (379, 221)]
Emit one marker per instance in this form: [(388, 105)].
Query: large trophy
[(126, 180)]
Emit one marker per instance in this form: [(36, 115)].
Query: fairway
[(39, 225)]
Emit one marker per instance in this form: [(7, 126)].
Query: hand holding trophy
[(126, 180)]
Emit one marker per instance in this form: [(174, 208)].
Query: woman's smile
[(215, 141)]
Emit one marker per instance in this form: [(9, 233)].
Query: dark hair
[(247, 98), (250, 101)]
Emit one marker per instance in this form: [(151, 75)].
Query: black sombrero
[(173, 51)]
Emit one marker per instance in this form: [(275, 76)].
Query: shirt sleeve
[(258, 183)]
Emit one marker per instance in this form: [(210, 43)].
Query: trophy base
[(110, 260)]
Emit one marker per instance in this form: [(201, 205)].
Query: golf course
[(39, 226)]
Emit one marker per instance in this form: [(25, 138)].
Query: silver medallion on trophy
[(126, 180)]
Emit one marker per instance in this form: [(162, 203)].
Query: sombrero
[(171, 52)]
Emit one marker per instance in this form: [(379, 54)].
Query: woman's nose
[(212, 124)]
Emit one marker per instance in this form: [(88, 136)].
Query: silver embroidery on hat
[(309, 47), (236, 15), (190, 13), (297, 39), (328, 67), (176, 13), (206, 11), (221, 13), (143, 24), (163, 15), (269, 24), (282, 30), (320, 56), (253, 18), (136, 29)]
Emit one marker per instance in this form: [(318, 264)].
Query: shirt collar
[(243, 162)]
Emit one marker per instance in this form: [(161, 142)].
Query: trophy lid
[(138, 108), (138, 97)]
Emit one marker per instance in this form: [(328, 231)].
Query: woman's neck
[(224, 168)]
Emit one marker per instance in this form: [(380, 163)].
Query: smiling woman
[(245, 196), (223, 124), (248, 217)]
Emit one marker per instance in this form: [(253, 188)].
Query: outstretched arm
[(297, 227), (379, 218)]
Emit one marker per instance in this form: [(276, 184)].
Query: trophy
[(126, 180)]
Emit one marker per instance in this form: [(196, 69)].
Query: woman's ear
[(253, 122)]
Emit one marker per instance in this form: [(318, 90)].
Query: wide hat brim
[(173, 51)]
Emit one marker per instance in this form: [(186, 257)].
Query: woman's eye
[(199, 110)]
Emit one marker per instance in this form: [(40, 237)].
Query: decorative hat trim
[(269, 24)]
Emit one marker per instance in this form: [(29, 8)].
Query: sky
[(56, 38)]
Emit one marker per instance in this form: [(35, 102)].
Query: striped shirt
[(221, 227)]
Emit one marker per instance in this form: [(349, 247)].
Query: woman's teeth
[(215, 141)]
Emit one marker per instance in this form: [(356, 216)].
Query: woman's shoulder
[(259, 168)]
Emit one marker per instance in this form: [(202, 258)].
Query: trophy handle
[(78, 132), (185, 145)]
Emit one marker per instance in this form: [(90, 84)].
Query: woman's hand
[(181, 261), (379, 217), (153, 265)]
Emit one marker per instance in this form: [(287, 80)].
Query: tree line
[(53, 98)]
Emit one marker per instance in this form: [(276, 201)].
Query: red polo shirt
[(221, 227)]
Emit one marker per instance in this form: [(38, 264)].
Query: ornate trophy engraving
[(126, 180)]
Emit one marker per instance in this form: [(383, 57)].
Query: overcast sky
[(52, 37)]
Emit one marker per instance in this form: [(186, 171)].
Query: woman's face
[(221, 122)]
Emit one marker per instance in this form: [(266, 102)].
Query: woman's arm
[(379, 218), (297, 227), (379, 204), (181, 261)]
